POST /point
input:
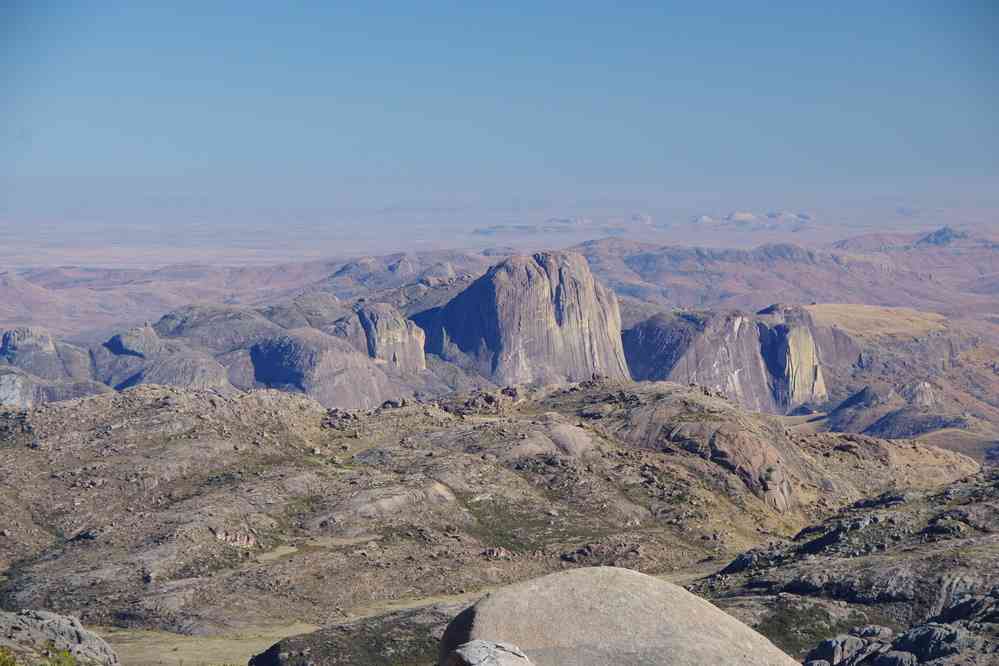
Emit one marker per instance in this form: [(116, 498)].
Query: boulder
[(605, 615), (31, 635), (487, 653)]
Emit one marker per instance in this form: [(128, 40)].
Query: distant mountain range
[(402, 326)]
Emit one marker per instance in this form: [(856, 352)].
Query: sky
[(129, 113)]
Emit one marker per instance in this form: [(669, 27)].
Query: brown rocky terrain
[(935, 271), (920, 565), (887, 372), (199, 512), (391, 479)]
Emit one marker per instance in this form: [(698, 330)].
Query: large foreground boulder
[(605, 615), (34, 635)]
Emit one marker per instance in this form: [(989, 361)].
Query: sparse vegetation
[(7, 657)]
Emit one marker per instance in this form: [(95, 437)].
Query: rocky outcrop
[(796, 368), (140, 356), (925, 559), (190, 369), (721, 351), (218, 329), (141, 341), (34, 635), (603, 615), (227, 348), (487, 653), (767, 362), (20, 389), (383, 333), (322, 366), (538, 319), (35, 351)]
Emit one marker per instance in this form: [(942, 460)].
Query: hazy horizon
[(337, 129)]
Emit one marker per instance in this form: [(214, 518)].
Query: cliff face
[(791, 353), (767, 362), (540, 319), (35, 351), (798, 378), (36, 368), (383, 333), (322, 366)]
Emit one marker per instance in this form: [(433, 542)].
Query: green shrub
[(7, 658), (61, 658)]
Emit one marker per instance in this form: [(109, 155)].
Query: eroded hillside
[(195, 511)]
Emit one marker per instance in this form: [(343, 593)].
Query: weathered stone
[(837, 650), (487, 653), (604, 615), (538, 319), (766, 362), (30, 634), (895, 658)]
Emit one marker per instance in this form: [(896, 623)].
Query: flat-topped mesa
[(537, 319)]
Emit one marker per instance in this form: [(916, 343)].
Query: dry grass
[(140, 648), (872, 321)]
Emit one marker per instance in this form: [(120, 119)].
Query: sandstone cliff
[(538, 319)]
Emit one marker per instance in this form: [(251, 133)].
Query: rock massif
[(605, 615), (537, 319), (884, 372), (528, 320), (35, 368), (768, 362)]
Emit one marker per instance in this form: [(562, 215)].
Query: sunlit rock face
[(537, 319), (767, 362)]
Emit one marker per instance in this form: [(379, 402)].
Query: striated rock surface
[(537, 319), (797, 371), (32, 635), (767, 362), (383, 333), (605, 615), (720, 351), (322, 366), (35, 351)]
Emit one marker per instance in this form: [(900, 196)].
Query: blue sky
[(117, 111)]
